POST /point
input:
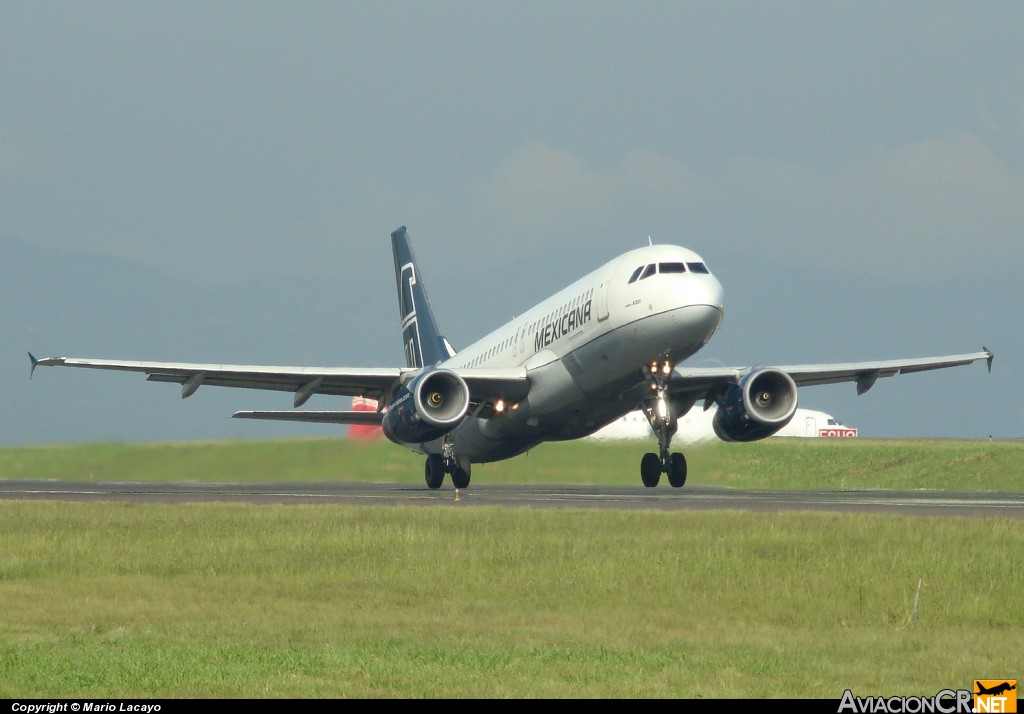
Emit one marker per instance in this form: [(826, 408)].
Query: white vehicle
[(613, 341), (812, 423), (697, 426)]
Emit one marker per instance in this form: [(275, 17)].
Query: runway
[(925, 503)]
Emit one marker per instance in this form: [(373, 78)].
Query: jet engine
[(427, 408), (758, 406)]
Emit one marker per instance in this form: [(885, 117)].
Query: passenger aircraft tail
[(364, 432), (421, 336)]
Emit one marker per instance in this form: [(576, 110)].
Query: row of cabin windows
[(646, 271), (491, 352), (535, 326)]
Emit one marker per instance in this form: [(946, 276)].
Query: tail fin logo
[(421, 338), (410, 327)]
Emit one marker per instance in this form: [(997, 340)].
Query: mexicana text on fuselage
[(569, 321)]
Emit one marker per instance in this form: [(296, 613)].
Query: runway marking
[(531, 495)]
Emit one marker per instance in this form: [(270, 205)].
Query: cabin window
[(698, 268), (649, 271), (636, 274), (671, 268)]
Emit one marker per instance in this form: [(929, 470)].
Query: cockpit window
[(646, 271)]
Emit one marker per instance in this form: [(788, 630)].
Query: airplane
[(613, 341), (996, 690), (697, 426)]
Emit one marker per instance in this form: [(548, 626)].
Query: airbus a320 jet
[(614, 341)]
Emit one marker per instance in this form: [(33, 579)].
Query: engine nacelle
[(427, 408), (762, 403)]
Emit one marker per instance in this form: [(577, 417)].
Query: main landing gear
[(446, 463), (663, 422)]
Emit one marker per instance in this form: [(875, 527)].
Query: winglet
[(35, 363), (991, 356)]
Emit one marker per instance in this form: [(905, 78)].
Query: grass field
[(945, 465), (231, 600)]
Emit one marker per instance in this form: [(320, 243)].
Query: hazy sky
[(223, 141)]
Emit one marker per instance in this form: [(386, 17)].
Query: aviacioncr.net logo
[(946, 701)]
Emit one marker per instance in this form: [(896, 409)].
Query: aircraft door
[(602, 292)]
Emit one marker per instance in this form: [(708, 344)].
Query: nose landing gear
[(663, 421)]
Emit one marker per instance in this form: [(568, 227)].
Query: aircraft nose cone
[(716, 295), (708, 291), (708, 301), (706, 319)]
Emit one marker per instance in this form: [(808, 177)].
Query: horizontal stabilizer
[(333, 417)]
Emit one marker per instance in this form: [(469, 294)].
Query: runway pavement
[(529, 496)]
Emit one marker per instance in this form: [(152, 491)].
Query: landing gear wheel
[(677, 470), (460, 475), (433, 472), (650, 470)]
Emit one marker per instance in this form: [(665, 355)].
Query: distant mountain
[(59, 302)]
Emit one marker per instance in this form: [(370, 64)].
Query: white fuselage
[(585, 350)]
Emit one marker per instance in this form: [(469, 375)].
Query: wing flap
[(319, 417), (510, 384), (339, 381), (858, 371), (705, 380)]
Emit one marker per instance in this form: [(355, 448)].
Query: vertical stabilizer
[(421, 337)]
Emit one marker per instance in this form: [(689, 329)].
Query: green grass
[(773, 463), (232, 600), (226, 600)]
